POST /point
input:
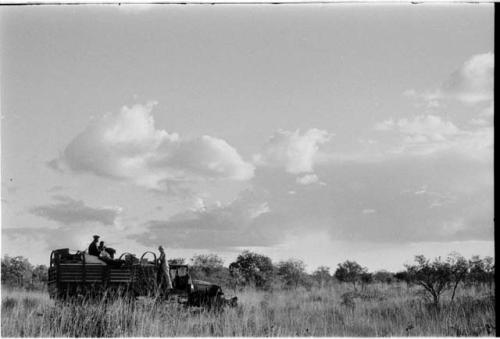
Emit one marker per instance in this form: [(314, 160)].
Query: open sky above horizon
[(317, 132)]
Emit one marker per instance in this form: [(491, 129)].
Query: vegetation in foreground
[(440, 297), (336, 310)]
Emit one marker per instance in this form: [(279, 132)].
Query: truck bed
[(96, 273), (80, 274)]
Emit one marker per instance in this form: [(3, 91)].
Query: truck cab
[(181, 280)]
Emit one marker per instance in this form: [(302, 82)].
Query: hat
[(96, 237)]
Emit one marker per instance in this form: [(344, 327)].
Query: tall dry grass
[(378, 310)]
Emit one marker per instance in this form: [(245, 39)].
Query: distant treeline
[(259, 271), (434, 276), (19, 272)]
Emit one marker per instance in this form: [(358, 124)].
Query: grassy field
[(378, 310)]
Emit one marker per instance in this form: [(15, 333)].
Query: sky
[(316, 132)]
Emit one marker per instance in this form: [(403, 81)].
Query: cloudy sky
[(319, 132)]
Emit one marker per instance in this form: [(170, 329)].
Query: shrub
[(350, 271), (434, 276)]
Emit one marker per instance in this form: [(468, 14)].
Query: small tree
[(383, 277), (322, 275), (489, 267), (16, 271), (404, 276), (349, 271), (236, 277), (481, 270), (208, 263), (210, 267), (254, 268), (292, 273), (459, 268), (435, 277), (39, 276), (366, 278)]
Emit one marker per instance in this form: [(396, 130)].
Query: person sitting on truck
[(93, 250), (102, 251), (109, 252)]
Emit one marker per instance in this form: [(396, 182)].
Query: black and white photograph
[(247, 169)]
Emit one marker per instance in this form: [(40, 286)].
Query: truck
[(77, 275)]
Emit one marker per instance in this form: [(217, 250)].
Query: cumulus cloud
[(421, 128), (75, 223), (199, 205), (471, 83), (427, 134), (307, 179), (293, 151), (403, 199), (479, 122), (127, 145), (258, 210), (46, 239), (385, 125), (68, 211), (237, 224), (436, 199)]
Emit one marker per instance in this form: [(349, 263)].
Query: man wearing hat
[(93, 250)]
